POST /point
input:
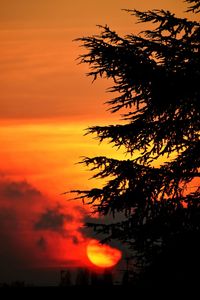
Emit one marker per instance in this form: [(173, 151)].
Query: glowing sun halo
[(102, 256)]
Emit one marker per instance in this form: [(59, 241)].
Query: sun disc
[(102, 256)]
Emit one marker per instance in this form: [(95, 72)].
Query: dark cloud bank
[(24, 231)]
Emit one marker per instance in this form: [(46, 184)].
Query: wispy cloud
[(53, 220)]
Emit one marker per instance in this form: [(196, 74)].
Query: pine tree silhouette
[(157, 77)]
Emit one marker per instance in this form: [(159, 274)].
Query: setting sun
[(103, 256)]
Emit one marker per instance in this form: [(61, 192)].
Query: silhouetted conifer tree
[(156, 75)]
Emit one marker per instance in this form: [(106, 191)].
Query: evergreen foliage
[(156, 76)]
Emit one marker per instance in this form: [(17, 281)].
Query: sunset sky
[(46, 102)]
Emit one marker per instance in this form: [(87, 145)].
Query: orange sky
[(46, 102), (39, 77)]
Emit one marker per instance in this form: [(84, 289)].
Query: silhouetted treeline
[(85, 277)]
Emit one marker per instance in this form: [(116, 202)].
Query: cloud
[(16, 212), (36, 232), (75, 240), (20, 246), (53, 219), (42, 243), (17, 190), (8, 218)]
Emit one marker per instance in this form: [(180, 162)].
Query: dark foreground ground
[(103, 292)]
